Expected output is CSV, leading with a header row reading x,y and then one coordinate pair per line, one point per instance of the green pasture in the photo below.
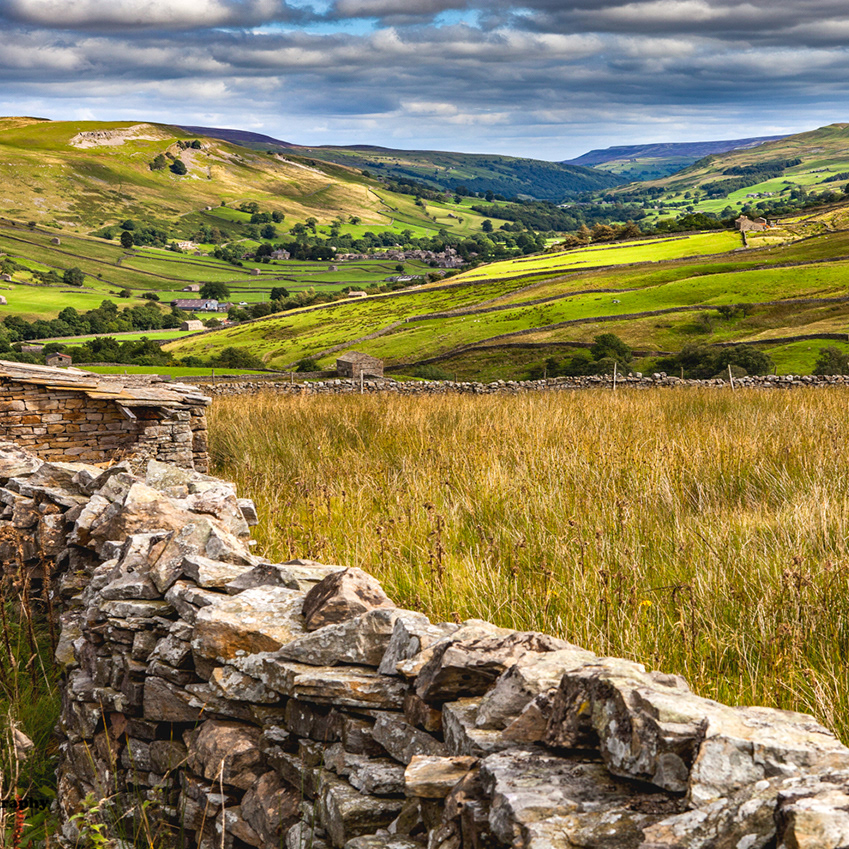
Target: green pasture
x,y
170,371
623,254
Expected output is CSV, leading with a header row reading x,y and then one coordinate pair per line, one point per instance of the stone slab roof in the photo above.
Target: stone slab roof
x,y
97,386
357,357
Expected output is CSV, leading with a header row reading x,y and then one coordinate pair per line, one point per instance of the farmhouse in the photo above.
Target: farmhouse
x,y
192,304
193,324
747,225
356,364
73,415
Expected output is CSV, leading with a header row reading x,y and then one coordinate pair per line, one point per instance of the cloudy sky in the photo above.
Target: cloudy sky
x,y
547,78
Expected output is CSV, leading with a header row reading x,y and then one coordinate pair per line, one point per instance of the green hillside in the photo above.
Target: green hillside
x,y
509,176
82,176
658,296
768,175
655,161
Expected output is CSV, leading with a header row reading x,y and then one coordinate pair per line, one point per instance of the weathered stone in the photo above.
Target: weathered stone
x,y
208,699
219,501
744,745
141,608
135,757
347,813
388,841
361,640
229,824
380,777
742,819
813,812
434,777
270,808
258,620
304,835
248,509
308,720
172,651
210,574
301,575
410,637
165,702
358,736
342,595
226,751
531,724
462,736
526,678
469,668
403,741
15,462
540,800
167,755
188,599
235,685
347,686
419,713
646,725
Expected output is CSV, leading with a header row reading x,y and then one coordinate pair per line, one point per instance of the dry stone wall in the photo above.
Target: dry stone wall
x,y
238,386
242,703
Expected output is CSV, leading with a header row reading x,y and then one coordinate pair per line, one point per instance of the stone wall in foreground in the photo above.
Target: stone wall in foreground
x,y
252,704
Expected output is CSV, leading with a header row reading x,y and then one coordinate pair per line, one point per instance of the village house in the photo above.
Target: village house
x,y
356,364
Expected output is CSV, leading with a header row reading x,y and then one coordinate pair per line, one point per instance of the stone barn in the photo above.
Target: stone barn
x,y
355,364
77,416
58,359
192,324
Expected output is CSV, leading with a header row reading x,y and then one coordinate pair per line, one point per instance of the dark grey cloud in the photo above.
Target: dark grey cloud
x,y
541,78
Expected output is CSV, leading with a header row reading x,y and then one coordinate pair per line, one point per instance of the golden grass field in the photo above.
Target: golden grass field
x,y
699,531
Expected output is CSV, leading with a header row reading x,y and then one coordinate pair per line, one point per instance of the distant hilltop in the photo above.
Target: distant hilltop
x,y
665,150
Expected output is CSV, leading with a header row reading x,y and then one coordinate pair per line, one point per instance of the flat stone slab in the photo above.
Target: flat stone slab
x,y
346,686
258,620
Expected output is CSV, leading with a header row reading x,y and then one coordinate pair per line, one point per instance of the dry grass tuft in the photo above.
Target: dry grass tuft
x,y
702,532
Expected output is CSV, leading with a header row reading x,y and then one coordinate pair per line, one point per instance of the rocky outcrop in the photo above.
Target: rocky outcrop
x,y
243,703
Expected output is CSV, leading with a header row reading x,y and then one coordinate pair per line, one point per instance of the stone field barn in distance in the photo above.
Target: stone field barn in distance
x,y
67,414
355,364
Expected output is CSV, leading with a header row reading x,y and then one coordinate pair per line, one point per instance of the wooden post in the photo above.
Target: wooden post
x,y
730,376
213,377
361,383
291,377
615,364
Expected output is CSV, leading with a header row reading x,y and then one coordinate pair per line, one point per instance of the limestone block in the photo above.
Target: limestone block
x,y
270,808
346,813
342,595
346,686
540,800
361,640
258,620
434,777
463,737
469,668
410,637
403,741
226,751
300,575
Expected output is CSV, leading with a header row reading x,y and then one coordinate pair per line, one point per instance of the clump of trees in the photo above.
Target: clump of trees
x,y
831,360
607,352
703,361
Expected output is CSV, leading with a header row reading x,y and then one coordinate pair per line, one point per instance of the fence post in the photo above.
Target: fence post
x,y
615,364
730,376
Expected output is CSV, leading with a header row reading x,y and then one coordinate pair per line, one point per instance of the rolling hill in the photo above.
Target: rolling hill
x,y
654,161
504,175
770,172
785,294
82,176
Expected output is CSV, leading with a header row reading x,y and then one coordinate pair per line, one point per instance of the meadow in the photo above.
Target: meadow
x,y
702,532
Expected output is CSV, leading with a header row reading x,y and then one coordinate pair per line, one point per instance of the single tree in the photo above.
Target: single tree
x,y
215,290
127,239
179,167
73,277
